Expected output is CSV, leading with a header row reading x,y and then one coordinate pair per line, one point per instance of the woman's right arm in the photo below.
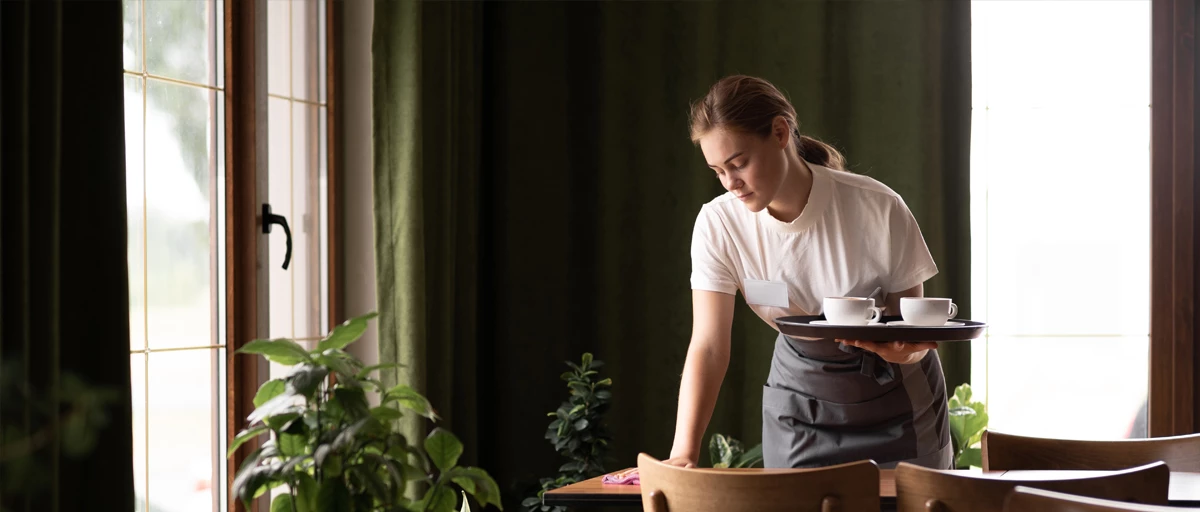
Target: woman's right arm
x,y
703,371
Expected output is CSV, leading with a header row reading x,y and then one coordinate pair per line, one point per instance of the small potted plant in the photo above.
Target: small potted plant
x,y
333,452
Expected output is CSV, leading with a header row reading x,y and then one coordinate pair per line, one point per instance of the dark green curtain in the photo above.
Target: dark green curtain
x,y
573,188
64,307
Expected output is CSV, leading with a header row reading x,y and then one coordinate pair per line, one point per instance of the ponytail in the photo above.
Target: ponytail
x,y
820,153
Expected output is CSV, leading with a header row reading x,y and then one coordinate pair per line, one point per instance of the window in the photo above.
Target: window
x,y
174,97
176,167
1060,208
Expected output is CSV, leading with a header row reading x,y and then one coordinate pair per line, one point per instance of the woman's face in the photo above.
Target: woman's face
x,y
751,167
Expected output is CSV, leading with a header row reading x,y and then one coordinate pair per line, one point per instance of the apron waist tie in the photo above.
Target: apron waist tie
x,y
872,365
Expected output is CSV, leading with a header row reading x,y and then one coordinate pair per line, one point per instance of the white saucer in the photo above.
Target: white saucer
x,y
826,322
903,323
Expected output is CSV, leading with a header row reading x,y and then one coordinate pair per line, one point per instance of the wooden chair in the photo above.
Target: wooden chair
x,y
1028,499
1007,451
920,489
848,487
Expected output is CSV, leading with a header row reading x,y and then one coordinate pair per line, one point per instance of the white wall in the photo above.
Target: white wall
x,y
357,203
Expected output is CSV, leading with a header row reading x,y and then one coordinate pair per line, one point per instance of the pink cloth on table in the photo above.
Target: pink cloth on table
x,y
626,477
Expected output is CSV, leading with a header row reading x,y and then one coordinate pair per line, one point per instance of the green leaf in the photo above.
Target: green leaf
x,y
587,360
486,490
306,493
603,394
282,503
412,400
382,366
307,378
291,445
270,389
439,498
751,458
283,422
278,405
385,413
347,333
443,448
581,424
250,481
604,382
970,457
333,496
282,351
339,365
353,402
244,436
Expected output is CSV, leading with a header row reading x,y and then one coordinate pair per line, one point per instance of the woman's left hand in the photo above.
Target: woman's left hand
x,y
901,352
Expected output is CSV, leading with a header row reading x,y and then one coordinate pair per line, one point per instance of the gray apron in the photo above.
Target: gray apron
x,y
826,403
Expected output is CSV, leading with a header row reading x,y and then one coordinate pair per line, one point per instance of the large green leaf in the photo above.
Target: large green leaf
x,y
283,503
306,493
970,457
385,413
341,366
347,333
751,458
333,496
486,490
270,389
278,405
443,448
291,445
246,435
250,482
439,498
306,378
353,401
282,351
412,400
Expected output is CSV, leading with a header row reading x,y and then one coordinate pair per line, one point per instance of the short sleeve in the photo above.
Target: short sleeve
x,y
711,261
911,263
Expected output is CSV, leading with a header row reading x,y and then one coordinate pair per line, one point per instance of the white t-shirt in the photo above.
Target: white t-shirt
x,y
854,234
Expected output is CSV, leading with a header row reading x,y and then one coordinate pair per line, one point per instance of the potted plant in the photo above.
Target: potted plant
x,y
333,451
968,420
577,432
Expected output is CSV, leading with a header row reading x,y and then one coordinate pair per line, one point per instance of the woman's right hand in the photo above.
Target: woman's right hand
x,y
681,461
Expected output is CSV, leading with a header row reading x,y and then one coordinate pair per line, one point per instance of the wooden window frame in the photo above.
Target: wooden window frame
x,y
245,190
1173,402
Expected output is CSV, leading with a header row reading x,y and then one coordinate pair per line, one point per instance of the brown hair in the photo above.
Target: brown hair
x,y
749,104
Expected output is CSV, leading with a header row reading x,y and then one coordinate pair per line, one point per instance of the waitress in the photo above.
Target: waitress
x,y
794,228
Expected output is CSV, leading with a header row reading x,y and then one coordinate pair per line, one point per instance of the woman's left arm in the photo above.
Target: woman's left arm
x,y
897,351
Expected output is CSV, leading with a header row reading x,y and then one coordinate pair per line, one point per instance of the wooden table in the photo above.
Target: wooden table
x,y
1184,489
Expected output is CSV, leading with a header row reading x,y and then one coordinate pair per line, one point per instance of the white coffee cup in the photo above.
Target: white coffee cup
x,y
851,311
927,310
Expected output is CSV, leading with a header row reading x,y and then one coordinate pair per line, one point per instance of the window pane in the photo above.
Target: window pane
x,y
131,19
135,195
280,196
278,56
323,217
1032,60
1069,198
180,123
305,39
181,40
1078,388
181,431
306,274
137,370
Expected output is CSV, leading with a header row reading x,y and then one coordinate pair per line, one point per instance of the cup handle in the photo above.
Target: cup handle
x,y
876,314
953,310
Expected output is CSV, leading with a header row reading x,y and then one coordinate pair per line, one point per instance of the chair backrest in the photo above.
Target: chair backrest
x,y
1028,499
1007,451
920,489
848,487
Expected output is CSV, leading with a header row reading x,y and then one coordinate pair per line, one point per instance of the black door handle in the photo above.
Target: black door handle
x,y
269,218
